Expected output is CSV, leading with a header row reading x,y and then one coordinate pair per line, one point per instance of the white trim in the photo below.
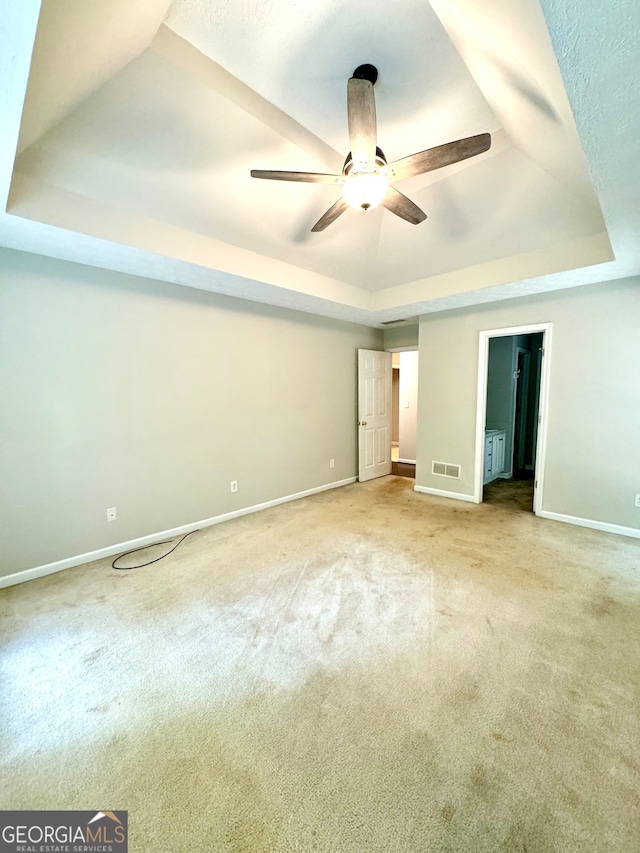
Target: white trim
x,y
440,493
408,461
543,419
516,330
481,416
91,556
412,348
543,405
588,522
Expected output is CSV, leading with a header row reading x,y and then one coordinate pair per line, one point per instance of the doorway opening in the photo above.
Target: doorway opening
x,y
511,427
385,430
404,412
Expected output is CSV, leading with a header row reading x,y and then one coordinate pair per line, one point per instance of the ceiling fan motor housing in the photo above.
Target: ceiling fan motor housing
x,y
366,72
381,162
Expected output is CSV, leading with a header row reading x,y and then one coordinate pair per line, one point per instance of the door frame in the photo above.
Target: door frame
x,y
411,348
522,391
543,405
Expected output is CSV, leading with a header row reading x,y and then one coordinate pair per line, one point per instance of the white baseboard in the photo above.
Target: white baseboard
x,y
110,550
407,461
439,493
588,522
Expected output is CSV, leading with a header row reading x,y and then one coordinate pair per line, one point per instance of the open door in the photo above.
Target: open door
x,y
374,414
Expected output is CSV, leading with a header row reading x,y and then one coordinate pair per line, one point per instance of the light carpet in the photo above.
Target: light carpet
x,y
369,669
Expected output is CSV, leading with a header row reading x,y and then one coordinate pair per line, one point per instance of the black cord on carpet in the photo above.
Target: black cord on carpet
x,y
144,548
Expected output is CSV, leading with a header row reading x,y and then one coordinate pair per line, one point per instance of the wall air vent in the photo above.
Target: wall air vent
x,y
445,469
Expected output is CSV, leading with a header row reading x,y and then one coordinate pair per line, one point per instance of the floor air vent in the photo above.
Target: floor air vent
x,y
444,469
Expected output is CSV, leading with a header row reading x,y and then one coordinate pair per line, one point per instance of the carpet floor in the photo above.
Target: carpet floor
x,y
368,669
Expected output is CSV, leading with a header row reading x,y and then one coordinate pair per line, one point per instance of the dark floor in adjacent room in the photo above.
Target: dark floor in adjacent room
x,y
516,493
403,469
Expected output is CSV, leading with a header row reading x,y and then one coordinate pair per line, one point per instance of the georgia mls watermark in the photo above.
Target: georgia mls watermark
x,y
63,832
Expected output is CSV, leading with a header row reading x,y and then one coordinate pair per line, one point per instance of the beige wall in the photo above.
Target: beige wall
x,y
401,336
408,415
150,397
395,404
592,466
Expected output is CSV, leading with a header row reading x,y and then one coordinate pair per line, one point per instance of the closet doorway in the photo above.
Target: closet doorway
x,y
513,383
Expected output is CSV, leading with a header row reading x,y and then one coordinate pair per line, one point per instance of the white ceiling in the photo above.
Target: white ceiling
x,y
134,141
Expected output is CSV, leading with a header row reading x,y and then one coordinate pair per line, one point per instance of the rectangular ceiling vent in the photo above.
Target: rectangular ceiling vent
x,y
445,469
409,321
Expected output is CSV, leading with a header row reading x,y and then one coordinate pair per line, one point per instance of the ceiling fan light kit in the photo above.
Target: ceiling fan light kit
x,y
366,175
365,189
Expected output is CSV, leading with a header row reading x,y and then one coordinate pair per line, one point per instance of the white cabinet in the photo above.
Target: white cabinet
x,y
494,443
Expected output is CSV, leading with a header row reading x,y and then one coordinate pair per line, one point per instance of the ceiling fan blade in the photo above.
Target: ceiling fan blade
x,y
331,215
304,177
361,113
403,207
436,158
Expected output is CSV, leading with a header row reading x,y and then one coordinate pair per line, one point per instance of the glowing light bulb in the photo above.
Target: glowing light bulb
x,y
365,190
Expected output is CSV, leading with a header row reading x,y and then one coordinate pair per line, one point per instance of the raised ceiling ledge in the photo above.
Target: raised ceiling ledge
x,y
508,55
495,275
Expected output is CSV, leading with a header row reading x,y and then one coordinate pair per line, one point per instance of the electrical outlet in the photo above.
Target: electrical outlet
x,y
332,463
111,514
637,503
234,485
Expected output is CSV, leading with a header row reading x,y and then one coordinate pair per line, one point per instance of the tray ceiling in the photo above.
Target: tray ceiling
x,y
137,122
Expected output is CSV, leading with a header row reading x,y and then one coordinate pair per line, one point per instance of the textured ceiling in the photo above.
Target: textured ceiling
x,y
135,140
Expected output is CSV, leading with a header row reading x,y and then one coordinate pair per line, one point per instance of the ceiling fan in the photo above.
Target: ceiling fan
x,y
366,176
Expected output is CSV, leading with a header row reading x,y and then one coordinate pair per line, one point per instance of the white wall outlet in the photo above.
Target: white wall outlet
x,y
234,485
332,463
637,503
111,514
406,404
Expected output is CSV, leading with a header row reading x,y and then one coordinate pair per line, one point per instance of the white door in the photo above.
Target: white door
x,y
374,414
